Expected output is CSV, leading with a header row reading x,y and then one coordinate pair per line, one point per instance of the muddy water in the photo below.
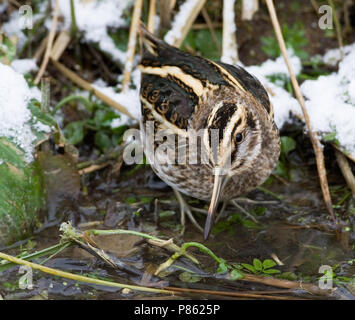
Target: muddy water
x,y
296,232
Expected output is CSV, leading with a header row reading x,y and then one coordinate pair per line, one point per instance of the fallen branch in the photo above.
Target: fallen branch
x,y
317,147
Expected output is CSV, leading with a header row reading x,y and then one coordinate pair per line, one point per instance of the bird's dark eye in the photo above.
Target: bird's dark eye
x,y
239,137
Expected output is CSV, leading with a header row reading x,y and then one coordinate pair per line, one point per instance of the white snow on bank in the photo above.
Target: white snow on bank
x,y
179,22
330,101
129,99
93,18
24,66
333,56
14,116
13,28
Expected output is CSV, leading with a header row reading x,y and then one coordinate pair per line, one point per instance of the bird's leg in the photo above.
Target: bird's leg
x,y
185,209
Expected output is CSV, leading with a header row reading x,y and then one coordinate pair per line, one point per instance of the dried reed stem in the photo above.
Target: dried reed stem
x,y
60,45
346,170
87,86
317,147
137,10
49,44
151,15
180,35
337,28
211,28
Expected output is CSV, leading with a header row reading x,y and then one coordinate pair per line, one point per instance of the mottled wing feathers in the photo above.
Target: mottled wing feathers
x,y
170,100
249,83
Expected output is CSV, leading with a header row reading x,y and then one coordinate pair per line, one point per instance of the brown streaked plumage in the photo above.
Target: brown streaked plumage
x,y
183,94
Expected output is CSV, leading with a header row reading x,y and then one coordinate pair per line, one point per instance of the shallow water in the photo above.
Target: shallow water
x,y
296,231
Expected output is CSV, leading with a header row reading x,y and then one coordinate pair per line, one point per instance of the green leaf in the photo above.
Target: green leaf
x,y
330,137
130,200
222,268
281,170
257,264
74,132
102,140
249,267
205,44
288,276
189,277
271,271
235,275
7,49
287,145
268,263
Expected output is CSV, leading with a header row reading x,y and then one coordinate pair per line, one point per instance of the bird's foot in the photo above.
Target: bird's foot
x,y
185,209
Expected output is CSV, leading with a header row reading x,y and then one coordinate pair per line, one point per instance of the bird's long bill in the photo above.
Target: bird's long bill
x,y
218,186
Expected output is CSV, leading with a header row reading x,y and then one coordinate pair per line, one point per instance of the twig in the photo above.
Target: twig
x,y
256,294
346,170
313,136
80,278
315,6
74,27
88,86
151,15
60,45
211,28
49,44
337,28
229,40
41,48
164,14
178,32
347,4
199,26
280,283
132,43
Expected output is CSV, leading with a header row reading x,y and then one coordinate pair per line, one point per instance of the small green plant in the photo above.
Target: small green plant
x,y
202,42
258,267
288,144
294,37
98,124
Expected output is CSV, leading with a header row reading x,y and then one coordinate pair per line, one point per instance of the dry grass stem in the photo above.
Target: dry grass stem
x,y
346,170
211,28
60,45
87,86
317,147
337,28
49,44
151,15
137,10
188,23
41,48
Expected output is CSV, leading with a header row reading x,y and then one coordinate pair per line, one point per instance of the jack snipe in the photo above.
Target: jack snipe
x,y
182,94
